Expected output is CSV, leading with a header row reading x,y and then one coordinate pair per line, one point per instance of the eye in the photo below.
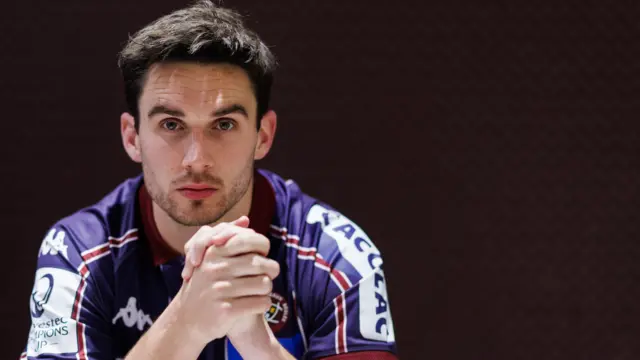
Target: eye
x,y
225,125
170,124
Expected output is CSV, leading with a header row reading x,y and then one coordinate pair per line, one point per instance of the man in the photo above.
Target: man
x,y
203,256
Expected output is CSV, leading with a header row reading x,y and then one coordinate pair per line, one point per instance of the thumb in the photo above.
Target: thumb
x,y
242,221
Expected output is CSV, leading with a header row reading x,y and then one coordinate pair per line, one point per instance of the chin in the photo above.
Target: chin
x,y
200,216
194,219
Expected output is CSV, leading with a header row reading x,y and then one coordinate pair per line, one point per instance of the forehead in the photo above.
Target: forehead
x,y
195,83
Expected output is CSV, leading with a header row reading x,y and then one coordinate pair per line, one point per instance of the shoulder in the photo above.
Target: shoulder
x,y
337,273
315,228
92,232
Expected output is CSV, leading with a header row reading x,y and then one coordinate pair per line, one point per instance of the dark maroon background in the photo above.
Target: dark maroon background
x,y
490,150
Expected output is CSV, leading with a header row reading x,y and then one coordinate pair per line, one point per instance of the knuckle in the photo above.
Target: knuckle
x,y
210,252
265,266
221,286
224,309
222,226
256,260
217,270
261,265
241,242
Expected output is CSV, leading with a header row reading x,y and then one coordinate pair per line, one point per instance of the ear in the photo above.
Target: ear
x,y
130,138
266,134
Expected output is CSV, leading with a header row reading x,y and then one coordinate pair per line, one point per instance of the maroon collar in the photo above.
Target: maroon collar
x,y
263,205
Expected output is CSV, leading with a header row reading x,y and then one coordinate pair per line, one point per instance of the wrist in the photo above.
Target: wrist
x,y
181,326
257,341
167,338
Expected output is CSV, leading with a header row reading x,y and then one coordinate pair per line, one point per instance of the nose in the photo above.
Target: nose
x,y
195,156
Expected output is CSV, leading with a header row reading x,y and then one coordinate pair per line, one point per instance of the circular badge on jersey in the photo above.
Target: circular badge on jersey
x,y
278,313
41,294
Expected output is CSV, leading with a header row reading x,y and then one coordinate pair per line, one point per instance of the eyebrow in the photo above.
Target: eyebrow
x,y
235,108
162,109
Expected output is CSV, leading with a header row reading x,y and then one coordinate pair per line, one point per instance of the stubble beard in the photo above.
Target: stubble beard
x,y
199,212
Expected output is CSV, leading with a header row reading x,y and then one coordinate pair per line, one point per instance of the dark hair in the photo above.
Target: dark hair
x,y
202,32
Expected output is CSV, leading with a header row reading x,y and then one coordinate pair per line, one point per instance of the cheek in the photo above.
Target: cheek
x,y
232,149
159,156
237,155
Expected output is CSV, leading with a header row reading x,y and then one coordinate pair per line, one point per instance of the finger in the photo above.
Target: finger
x,y
242,241
191,249
248,305
242,266
245,286
203,239
201,243
242,221
195,248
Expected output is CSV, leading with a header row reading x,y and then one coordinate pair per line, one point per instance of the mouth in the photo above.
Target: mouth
x,y
197,191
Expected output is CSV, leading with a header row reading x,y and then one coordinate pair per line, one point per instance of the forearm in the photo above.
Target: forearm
x,y
167,339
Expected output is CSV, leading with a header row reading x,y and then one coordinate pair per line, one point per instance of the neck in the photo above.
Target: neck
x,y
176,235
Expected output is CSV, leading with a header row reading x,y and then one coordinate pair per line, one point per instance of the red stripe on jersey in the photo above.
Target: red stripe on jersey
x,y
292,240
339,276
120,240
75,315
83,270
278,231
341,346
86,257
91,254
82,351
307,252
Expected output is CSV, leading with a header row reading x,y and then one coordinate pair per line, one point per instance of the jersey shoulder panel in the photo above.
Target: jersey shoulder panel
x,y
73,294
93,232
337,274
314,228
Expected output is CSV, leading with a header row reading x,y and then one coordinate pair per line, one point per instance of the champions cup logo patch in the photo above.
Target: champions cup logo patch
x,y
278,313
41,294
54,304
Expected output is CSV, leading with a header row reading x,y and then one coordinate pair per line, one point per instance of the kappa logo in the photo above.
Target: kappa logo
x,y
278,313
131,316
54,244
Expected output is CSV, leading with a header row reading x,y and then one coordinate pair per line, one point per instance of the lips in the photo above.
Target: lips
x,y
197,191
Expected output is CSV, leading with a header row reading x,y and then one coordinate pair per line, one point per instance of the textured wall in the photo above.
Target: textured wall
x,y
490,151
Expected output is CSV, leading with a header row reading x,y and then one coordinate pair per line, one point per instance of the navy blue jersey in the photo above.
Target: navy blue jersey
x,y
104,275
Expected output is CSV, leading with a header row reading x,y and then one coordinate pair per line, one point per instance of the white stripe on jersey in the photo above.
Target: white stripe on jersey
x,y
299,321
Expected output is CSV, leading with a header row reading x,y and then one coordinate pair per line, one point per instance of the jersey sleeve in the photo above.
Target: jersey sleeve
x,y
343,293
68,313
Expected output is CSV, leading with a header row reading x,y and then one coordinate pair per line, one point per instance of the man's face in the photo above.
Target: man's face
x,y
197,139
